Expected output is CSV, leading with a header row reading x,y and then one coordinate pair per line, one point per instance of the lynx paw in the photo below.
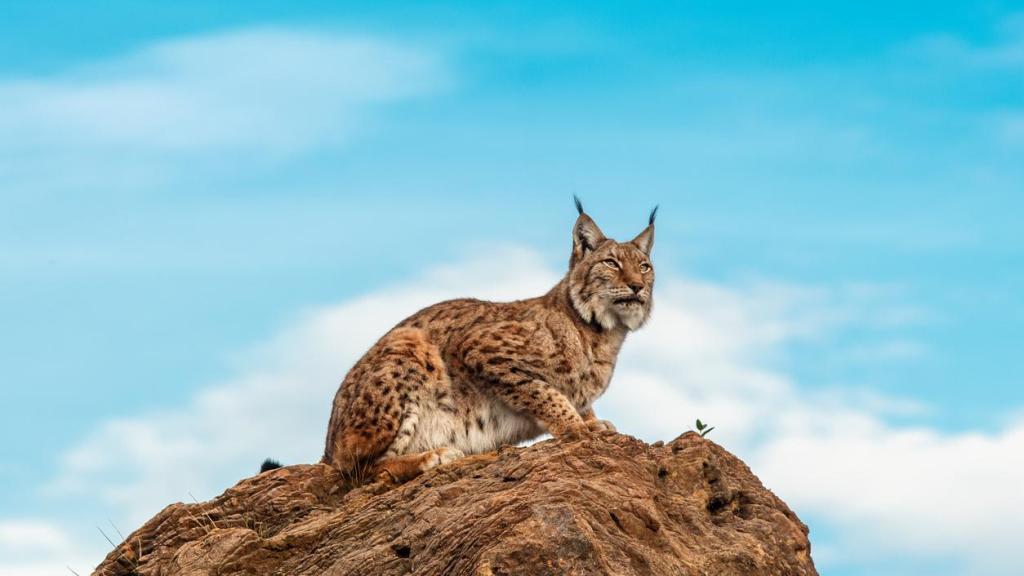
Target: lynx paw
x,y
601,426
442,456
577,432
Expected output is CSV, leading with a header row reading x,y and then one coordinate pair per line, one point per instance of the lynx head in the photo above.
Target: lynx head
x,y
610,282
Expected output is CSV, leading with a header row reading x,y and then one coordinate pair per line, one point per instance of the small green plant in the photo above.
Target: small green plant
x,y
703,429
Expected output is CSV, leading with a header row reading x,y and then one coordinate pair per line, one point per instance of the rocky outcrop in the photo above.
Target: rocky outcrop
x,y
605,505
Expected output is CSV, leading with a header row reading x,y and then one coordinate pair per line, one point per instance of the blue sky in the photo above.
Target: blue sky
x,y
184,185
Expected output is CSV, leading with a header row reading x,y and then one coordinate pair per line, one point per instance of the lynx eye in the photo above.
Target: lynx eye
x,y
645,268
611,264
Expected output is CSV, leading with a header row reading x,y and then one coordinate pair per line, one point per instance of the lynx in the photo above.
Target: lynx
x,y
466,376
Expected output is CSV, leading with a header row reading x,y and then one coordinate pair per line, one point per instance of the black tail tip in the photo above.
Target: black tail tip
x,y
269,464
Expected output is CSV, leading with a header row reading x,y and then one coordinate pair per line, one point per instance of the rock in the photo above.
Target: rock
x,y
604,505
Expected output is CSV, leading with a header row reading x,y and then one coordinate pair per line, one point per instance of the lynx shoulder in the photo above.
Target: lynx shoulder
x,y
466,376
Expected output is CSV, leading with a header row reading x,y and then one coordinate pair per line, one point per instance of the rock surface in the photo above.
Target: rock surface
x,y
605,505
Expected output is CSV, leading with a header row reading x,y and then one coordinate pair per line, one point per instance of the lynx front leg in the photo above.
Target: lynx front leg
x,y
511,360
549,406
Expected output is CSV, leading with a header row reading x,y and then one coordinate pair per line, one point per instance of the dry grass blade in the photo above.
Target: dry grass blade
x,y
112,545
357,476
196,520
205,513
120,555
114,526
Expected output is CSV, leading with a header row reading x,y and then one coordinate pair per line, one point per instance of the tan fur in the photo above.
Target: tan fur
x,y
466,376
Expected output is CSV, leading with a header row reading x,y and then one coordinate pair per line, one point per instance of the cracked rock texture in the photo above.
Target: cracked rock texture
x,y
604,505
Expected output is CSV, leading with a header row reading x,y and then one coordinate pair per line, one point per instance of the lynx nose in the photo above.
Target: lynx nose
x,y
636,287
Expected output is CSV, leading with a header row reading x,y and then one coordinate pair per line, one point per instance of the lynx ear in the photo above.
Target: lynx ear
x,y
585,235
645,240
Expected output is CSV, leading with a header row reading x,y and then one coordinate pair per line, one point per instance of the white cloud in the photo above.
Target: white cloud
x,y
31,547
886,350
709,352
1010,127
29,534
45,567
907,491
245,97
1004,52
277,406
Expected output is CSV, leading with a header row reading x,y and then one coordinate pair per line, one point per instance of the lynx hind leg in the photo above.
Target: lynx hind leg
x,y
365,422
377,409
406,467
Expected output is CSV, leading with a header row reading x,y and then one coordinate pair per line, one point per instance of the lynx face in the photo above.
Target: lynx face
x,y
611,282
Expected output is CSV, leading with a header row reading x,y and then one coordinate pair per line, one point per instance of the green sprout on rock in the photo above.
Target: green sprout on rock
x,y
703,429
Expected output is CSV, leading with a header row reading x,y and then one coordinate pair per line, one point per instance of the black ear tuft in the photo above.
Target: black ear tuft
x,y
269,464
650,221
579,205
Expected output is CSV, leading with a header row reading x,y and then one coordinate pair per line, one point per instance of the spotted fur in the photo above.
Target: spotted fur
x,y
466,376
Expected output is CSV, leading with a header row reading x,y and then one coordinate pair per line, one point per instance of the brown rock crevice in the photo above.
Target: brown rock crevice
x,y
604,505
